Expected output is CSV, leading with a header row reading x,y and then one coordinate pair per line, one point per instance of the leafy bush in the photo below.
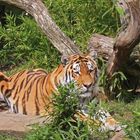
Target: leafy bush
x,y
63,126
66,102
6,137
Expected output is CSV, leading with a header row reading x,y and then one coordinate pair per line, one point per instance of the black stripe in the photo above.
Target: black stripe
x,y
42,92
16,104
16,92
17,77
37,108
21,85
8,93
36,99
66,76
29,90
2,88
24,104
2,77
28,79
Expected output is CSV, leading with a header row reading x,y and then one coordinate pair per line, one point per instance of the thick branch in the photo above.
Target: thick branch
x,y
40,13
103,45
126,39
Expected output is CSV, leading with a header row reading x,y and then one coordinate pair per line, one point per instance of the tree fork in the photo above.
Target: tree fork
x,y
126,39
118,50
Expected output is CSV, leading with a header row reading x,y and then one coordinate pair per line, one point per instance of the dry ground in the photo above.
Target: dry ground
x,y
17,124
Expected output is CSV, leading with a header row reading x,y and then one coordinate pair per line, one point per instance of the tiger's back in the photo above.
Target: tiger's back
x,y
27,92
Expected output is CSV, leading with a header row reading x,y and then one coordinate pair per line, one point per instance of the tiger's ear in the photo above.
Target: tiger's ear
x,y
64,59
93,54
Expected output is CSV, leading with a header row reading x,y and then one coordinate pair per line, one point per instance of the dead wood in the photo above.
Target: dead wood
x,y
128,38
118,49
103,45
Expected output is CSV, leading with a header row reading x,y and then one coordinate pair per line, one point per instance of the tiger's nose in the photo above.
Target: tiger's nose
x,y
87,85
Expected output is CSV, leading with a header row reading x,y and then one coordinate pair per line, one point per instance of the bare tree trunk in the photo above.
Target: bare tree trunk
x,y
126,39
40,13
119,49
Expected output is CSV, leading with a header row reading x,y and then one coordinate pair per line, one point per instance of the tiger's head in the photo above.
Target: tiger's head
x,y
82,70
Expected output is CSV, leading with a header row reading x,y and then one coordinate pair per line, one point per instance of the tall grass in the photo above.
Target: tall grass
x,y
24,43
79,19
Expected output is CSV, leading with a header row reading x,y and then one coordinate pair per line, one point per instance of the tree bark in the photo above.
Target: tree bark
x,y
41,15
118,50
101,44
128,38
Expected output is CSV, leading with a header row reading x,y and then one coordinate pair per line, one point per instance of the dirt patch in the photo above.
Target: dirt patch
x,y
16,124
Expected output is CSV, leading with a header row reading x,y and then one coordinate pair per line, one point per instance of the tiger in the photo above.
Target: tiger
x,y
29,91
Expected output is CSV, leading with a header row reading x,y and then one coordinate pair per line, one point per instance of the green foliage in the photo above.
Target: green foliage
x,y
133,128
63,127
133,125
53,132
24,43
114,85
6,137
79,19
66,102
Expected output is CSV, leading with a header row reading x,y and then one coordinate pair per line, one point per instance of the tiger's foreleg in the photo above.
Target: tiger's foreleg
x,y
102,119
